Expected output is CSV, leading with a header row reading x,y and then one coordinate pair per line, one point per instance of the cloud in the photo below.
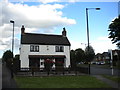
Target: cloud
x,y
40,18
5,43
102,44
75,44
103,38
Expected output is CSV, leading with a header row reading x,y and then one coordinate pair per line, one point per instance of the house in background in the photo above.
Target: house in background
x,y
103,58
36,48
112,56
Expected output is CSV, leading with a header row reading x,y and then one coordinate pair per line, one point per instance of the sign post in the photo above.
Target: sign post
x,y
111,55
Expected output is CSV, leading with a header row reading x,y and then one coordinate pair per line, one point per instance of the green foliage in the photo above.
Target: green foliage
x,y
114,29
72,58
7,55
72,55
77,56
8,58
89,54
17,57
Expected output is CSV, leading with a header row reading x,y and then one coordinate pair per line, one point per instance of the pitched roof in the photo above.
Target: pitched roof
x,y
44,39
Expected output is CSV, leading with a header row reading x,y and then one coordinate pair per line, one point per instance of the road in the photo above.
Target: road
x,y
7,81
98,70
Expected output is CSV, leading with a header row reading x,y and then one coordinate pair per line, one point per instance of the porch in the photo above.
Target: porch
x,y
38,61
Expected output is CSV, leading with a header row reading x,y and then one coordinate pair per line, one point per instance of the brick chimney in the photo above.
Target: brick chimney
x,y
22,30
64,33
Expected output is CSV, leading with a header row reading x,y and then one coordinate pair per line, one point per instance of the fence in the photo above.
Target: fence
x,y
53,71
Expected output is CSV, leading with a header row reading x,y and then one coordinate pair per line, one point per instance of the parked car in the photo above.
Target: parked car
x,y
100,63
93,62
80,63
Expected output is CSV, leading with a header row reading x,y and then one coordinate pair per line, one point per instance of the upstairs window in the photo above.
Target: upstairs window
x,y
59,49
34,48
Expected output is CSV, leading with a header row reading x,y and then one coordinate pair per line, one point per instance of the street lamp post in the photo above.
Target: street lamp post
x,y
111,54
11,21
88,31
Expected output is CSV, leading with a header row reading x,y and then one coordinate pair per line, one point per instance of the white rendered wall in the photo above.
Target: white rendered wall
x,y
67,53
24,52
43,50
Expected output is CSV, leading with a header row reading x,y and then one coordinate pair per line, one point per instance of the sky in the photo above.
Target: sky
x,y
51,16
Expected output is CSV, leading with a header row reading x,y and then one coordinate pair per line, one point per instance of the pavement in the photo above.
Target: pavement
x,y
7,81
107,81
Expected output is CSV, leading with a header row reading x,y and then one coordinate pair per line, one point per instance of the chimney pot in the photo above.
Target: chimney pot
x,y
64,32
22,30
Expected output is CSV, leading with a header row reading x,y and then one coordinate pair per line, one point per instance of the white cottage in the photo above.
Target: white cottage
x,y
35,48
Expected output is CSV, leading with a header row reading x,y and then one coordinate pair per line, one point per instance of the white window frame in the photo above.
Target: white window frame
x,y
34,48
59,48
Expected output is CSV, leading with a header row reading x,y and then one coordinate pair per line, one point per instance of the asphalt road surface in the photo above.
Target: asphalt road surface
x,y
7,81
97,70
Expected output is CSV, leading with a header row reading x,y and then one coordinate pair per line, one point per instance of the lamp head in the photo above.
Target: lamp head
x,y
11,21
97,8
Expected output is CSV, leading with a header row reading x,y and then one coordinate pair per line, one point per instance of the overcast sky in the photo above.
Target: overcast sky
x,y
50,16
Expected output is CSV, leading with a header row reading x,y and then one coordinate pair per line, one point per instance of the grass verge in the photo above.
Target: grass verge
x,y
113,78
60,82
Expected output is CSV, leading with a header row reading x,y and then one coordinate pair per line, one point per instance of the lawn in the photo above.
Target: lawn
x,y
113,78
60,82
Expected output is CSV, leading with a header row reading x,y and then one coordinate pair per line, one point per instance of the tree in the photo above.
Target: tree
x,y
7,57
76,56
89,55
79,55
72,58
114,29
17,57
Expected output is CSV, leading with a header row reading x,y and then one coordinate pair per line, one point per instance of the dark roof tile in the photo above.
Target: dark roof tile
x,y
44,39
